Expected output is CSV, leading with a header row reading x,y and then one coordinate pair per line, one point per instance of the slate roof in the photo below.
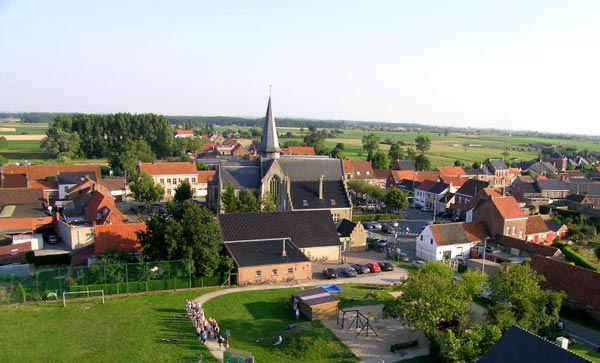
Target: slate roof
x,y
580,284
471,187
458,233
495,165
269,142
404,165
585,188
438,188
551,184
264,252
247,177
305,195
304,168
74,177
306,229
346,227
528,187
18,196
520,346
532,248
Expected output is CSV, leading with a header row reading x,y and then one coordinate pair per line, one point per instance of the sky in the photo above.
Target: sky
x,y
519,65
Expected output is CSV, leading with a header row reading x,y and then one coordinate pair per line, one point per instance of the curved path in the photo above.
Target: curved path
x,y
381,278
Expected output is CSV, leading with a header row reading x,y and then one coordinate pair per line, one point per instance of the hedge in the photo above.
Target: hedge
x,y
576,258
374,217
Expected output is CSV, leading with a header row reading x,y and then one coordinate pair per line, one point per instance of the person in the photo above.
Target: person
x,y
203,336
221,340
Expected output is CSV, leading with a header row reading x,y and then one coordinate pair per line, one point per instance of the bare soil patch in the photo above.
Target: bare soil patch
x,y
22,137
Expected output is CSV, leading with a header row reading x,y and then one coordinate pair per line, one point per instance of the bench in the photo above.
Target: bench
x,y
404,345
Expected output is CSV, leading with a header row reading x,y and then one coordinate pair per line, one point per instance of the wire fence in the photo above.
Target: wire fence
x,y
38,284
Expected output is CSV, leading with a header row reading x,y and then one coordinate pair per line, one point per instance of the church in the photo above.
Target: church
x,y
295,182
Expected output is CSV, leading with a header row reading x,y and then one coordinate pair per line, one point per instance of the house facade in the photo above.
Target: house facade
x,y
449,241
171,174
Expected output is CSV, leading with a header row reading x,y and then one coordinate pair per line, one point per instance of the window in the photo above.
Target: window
x,y
168,180
368,173
514,230
431,241
187,180
258,273
304,203
162,181
168,191
520,234
332,201
193,180
193,191
336,217
421,237
358,173
507,230
290,270
274,272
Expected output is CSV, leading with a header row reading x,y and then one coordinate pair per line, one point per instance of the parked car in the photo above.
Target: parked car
x,y
52,239
394,224
349,271
374,267
330,273
360,268
386,266
418,263
403,257
367,225
389,229
377,225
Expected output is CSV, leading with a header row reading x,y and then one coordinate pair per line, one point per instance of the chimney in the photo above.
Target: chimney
x,y
321,187
283,251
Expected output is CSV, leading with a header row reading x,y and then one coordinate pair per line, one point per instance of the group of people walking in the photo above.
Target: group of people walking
x,y
205,328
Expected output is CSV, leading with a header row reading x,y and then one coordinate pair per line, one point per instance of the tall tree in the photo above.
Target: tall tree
x,y
60,140
396,199
422,163
267,203
396,152
230,200
3,143
339,151
380,160
184,231
248,202
423,143
127,157
370,143
183,192
143,189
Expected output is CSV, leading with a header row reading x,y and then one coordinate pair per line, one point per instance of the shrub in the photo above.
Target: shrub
x,y
576,258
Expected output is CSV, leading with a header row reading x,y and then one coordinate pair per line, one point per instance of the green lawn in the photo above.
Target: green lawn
x,y
585,352
132,329
24,129
125,329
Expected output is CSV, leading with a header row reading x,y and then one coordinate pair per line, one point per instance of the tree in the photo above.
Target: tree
x,y
61,142
520,300
230,200
3,143
396,199
144,190
125,159
248,202
469,344
396,152
338,151
370,143
380,160
597,252
422,163
183,192
422,143
428,297
267,203
184,232
474,282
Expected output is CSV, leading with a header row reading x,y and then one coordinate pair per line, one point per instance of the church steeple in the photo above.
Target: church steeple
x,y
269,142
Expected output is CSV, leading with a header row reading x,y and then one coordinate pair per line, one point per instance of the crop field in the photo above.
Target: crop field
x,y
23,129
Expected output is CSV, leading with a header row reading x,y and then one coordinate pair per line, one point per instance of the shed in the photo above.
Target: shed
x,y
317,303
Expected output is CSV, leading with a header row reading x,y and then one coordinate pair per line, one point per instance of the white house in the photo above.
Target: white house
x,y
447,241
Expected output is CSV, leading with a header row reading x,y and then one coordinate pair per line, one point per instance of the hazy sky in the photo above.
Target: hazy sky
x,y
521,64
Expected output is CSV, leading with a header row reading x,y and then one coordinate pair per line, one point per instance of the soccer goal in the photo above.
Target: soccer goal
x,y
87,294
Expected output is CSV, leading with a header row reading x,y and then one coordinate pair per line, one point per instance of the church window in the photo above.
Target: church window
x,y
274,188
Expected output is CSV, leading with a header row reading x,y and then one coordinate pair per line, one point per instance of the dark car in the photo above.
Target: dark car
x,y
386,266
330,273
388,229
349,271
360,268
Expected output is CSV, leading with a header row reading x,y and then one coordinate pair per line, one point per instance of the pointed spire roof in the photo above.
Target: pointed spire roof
x,y
269,142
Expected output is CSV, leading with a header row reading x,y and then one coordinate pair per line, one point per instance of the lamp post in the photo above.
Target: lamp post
x,y
484,248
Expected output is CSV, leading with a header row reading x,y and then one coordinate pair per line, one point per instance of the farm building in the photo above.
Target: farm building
x,y
317,303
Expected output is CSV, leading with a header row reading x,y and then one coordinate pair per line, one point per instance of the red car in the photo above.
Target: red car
x,y
374,267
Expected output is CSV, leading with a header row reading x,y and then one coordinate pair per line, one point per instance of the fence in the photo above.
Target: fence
x,y
113,278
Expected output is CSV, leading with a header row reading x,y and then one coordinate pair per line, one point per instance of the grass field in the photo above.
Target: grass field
x,y
23,129
132,329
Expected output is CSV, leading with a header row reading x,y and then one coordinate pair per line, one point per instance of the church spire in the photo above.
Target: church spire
x,y
269,142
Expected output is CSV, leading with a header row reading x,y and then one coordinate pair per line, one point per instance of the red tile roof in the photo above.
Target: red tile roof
x,y
403,175
426,185
8,224
459,233
362,170
42,184
168,168
581,285
421,176
204,176
454,180
533,248
536,224
117,237
447,171
37,172
301,150
112,183
13,181
348,169
97,203
508,207
15,252
185,132
206,147
20,196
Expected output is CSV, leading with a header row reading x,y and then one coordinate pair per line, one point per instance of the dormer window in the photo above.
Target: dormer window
x,y
368,173
332,201
358,173
304,203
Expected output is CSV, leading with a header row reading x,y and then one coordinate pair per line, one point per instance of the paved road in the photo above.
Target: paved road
x,y
583,335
